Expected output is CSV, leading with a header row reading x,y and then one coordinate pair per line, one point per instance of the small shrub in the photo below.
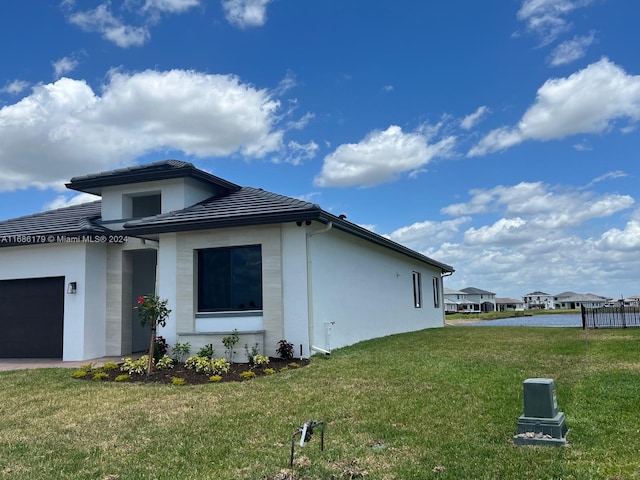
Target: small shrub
x,y
293,365
122,378
79,374
178,381
164,363
284,369
98,376
220,365
181,351
199,364
107,367
87,367
255,350
229,343
269,371
260,360
285,349
206,351
248,374
135,367
215,378
161,348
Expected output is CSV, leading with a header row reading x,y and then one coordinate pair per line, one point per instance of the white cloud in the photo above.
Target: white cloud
x,y
571,50
50,135
422,234
505,231
63,66
589,101
472,119
298,153
62,201
380,157
246,13
170,6
547,18
114,29
621,240
15,87
101,20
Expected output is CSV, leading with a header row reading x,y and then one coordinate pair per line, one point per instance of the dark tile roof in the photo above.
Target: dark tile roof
x,y
247,206
37,228
476,291
162,170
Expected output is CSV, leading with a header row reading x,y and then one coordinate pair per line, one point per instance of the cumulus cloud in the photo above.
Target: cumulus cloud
x,y
571,50
420,235
63,66
60,128
114,28
246,13
472,119
541,205
62,201
380,157
627,239
15,87
547,18
588,101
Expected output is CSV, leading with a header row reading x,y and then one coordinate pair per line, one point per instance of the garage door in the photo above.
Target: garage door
x,y
31,317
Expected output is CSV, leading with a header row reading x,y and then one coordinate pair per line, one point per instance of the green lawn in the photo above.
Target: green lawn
x,y
440,403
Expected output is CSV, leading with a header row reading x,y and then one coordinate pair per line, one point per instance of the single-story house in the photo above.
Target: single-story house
x,y
509,304
224,256
572,300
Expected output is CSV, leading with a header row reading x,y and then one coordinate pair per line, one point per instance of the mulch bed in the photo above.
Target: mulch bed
x,y
192,377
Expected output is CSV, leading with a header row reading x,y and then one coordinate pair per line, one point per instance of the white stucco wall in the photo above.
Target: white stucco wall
x,y
367,290
84,311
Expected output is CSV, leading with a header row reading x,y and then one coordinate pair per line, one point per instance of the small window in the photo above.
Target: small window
x,y
436,292
417,290
146,206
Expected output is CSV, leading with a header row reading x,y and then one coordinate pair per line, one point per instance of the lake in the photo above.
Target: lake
x,y
558,320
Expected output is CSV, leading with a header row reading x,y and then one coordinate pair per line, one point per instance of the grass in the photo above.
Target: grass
x,y
508,314
440,403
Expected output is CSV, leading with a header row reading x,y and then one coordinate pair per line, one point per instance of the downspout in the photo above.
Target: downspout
x,y
312,347
444,307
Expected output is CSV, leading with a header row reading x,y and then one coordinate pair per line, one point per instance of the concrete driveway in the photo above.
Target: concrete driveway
x,y
26,363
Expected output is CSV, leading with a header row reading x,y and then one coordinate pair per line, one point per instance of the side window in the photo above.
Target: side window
x,y
417,290
436,292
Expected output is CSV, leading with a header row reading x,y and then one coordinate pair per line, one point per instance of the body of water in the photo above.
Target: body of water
x,y
558,320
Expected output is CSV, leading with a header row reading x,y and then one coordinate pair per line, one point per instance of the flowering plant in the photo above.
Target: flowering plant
x,y
152,312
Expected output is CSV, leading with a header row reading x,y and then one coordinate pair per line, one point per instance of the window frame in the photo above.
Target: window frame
x,y
417,289
231,276
436,292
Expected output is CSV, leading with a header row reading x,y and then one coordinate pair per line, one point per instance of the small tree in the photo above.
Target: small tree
x,y
152,312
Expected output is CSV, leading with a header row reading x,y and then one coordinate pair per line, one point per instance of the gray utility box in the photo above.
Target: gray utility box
x,y
542,423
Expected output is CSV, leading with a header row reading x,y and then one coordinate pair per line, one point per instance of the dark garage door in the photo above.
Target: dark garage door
x,y
31,317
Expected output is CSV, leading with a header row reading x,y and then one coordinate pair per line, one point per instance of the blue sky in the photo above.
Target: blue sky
x,y
499,137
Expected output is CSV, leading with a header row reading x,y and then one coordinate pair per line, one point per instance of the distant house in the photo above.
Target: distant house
x,y
455,301
224,256
538,301
572,300
509,305
482,300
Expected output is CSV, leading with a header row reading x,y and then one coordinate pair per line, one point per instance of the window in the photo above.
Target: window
x,y
436,292
230,279
417,290
145,206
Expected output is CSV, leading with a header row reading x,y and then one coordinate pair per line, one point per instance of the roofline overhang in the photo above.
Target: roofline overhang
x,y
315,214
94,185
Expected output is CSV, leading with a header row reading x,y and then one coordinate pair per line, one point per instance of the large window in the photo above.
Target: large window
x,y
230,279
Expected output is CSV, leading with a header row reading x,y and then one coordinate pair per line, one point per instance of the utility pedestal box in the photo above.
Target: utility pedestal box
x,y
542,423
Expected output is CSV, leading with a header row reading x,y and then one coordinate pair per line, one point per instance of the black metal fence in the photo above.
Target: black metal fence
x,y
611,317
